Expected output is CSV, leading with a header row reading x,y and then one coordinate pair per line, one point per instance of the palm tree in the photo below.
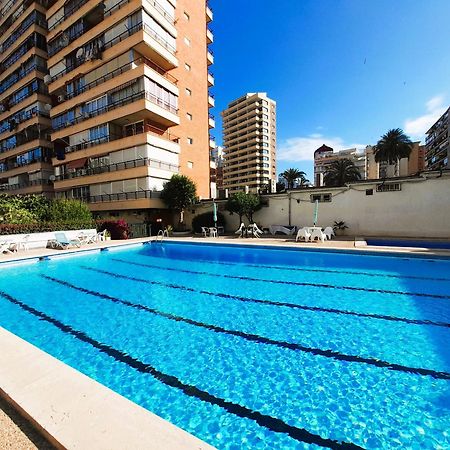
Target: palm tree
x,y
293,175
393,146
340,172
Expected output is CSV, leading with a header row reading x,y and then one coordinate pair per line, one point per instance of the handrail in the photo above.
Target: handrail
x,y
114,137
122,196
107,168
114,41
119,71
117,104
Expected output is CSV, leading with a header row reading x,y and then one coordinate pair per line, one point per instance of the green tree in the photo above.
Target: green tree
x,y
294,175
244,205
178,193
69,210
393,146
340,172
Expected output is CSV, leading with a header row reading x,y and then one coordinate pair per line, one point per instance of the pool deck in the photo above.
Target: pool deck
x,y
46,404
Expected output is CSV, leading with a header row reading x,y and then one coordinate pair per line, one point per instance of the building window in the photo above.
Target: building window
x,y
190,164
320,198
188,92
388,187
190,141
187,67
189,116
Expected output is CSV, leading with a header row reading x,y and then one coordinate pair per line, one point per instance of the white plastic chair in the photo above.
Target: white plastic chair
x,y
6,247
303,233
24,243
213,232
101,236
318,234
329,233
205,231
240,230
254,230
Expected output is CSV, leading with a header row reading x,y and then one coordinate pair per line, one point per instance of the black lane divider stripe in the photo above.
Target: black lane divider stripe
x,y
269,422
261,339
291,283
270,302
300,269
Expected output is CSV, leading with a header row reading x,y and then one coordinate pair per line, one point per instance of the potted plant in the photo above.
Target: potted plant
x,y
339,227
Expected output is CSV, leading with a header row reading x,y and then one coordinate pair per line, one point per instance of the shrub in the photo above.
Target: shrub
x,y
118,229
27,228
207,220
65,210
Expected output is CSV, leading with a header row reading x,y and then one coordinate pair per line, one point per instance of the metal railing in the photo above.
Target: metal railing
x,y
114,137
119,71
13,187
108,168
34,19
123,196
117,104
23,118
138,27
7,84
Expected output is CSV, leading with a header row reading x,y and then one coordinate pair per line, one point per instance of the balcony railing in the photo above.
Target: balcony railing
x,y
14,122
7,84
17,164
108,168
122,196
14,187
119,71
114,137
114,41
117,104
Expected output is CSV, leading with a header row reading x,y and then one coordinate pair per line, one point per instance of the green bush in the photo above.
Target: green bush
x,y
207,220
64,210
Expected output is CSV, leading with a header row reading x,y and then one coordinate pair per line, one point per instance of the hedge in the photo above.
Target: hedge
x,y
6,228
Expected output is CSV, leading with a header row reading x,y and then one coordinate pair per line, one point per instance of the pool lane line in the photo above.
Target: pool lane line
x,y
264,420
300,269
262,339
269,302
290,283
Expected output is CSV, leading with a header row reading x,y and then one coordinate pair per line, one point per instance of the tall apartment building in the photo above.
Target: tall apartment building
x,y
407,166
437,144
325,155
249,138
25,147
122,85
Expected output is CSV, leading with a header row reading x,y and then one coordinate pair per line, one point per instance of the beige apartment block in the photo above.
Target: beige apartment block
x,y
438,143
325,155
406,166
249,139
129,84
25,147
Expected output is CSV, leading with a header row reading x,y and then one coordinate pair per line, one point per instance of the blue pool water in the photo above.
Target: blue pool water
x,y
408,243
250,347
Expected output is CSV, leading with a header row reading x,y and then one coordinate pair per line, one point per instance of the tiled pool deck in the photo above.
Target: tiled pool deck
x,y
73,411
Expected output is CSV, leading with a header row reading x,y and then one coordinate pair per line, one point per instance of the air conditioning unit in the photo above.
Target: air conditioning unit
x,y
47,79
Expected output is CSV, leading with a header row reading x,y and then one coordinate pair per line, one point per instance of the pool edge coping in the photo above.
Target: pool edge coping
x,y
72,410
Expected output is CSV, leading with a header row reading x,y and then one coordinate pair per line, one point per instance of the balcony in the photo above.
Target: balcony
x,y
210,57
211,121
209,36
144,104
28,187
210,79
211,101
209,14
125,200
212,142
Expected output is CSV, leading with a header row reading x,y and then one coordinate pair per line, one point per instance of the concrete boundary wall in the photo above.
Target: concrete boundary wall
x,y
421,209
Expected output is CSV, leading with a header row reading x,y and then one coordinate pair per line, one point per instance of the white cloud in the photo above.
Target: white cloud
x,y
418,126
302,148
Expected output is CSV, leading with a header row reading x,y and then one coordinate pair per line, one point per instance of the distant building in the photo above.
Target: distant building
x,y
407,166
216,172
437,144
324,156
249,136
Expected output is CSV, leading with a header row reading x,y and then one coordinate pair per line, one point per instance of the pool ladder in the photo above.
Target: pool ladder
x,y
161,235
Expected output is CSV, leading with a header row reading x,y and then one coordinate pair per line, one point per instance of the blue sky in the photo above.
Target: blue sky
x,y
342,71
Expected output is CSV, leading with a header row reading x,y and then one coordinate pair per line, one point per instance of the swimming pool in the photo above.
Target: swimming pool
x,y
445,245
252,347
